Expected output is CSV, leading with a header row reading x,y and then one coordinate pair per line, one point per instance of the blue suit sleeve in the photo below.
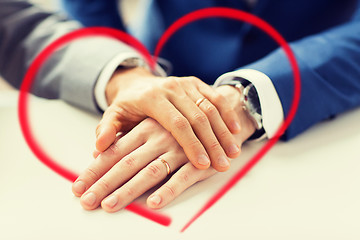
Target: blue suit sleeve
x,y
96,13
330,75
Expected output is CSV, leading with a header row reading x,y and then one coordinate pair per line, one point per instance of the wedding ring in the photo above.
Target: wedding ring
x,y
199,101
168,170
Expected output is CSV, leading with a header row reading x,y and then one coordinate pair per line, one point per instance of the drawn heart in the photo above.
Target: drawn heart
x,y
124,37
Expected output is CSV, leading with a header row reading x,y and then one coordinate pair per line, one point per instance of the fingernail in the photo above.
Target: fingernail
x,y
155,199
223,162
234,149
203,160
89,199
236,126
79,187
111,201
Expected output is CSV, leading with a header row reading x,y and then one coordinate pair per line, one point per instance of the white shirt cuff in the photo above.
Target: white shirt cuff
x,y
271,108
108,71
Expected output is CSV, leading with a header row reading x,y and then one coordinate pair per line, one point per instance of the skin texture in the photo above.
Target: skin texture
x,y
205,132
131,165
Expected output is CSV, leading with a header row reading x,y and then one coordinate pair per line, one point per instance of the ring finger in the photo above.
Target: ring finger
x,y
202,128
221,131
150,176
224,136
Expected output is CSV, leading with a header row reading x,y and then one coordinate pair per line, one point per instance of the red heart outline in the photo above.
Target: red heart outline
x,y
124,37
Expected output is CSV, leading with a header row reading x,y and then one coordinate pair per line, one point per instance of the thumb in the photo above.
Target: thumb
x,y
106,131
96,153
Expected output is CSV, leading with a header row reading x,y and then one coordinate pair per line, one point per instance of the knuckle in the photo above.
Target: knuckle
x,y
170,190
129,162
214,145
172,83
194,143
224,134
180,80
193,79
153,171
183,177
92,174
200,118
218,98
185,81
180,123
120,112
112,150
150,94
171,79
229,112
129,191
210,110
188,81
166,139
104,184
148,127
112,113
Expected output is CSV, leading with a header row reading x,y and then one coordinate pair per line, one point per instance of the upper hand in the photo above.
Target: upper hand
x,y
202,131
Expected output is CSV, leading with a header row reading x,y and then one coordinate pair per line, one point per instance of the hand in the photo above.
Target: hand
x,y
130,166
202,131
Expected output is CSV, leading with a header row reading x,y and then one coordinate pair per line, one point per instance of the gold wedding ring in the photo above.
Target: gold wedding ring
x,y
199,101
168,170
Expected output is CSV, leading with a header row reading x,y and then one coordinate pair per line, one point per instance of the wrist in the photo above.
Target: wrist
x,y
234,97
122,79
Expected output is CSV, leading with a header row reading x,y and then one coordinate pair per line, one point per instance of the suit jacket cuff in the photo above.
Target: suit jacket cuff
x,y
83,62
271,108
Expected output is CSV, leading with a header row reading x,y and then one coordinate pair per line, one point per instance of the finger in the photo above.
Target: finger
x,y
96,152
119,174
185,177
173,121
107,129
150,176
228,114
224,136
202,128
123,145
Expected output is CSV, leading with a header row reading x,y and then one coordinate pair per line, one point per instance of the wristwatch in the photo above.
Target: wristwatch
x,y
132,62
161,68
250,103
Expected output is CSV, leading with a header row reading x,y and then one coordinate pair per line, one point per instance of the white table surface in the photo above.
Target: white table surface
x,y
308,188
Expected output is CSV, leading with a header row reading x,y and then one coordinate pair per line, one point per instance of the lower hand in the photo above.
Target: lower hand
x,y
132,165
